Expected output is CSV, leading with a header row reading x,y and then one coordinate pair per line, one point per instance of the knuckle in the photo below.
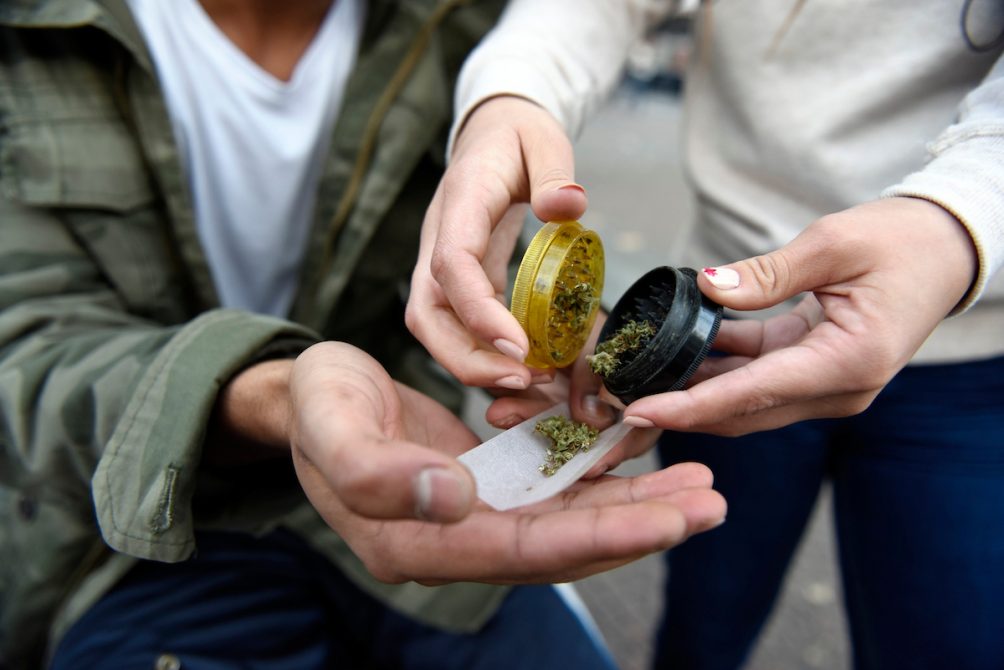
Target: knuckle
x,y
772,271
439,262
872,378
412,319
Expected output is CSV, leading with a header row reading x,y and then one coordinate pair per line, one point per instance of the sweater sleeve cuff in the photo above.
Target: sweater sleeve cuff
x,y
145,479
966,180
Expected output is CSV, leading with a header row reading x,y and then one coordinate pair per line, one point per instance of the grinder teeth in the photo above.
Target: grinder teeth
x,y
655,306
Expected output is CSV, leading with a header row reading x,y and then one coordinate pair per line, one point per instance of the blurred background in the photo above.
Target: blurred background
x,y
629,161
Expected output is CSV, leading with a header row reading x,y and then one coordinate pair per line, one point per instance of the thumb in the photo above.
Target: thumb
x,y
388,479
550,166
807,263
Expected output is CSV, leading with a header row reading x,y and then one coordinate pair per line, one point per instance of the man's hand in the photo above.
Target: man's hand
x,y
509,152
881,277
377,460
384,450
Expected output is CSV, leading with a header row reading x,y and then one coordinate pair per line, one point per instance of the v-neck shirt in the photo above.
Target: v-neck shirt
x,y
253,145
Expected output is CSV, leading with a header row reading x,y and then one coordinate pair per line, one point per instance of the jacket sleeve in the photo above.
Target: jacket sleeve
x,y
965,175
93,395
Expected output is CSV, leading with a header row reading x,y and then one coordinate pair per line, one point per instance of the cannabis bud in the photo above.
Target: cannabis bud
x,y
610,352
567,439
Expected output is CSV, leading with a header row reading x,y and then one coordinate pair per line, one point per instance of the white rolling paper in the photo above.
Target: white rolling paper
x,y
505,467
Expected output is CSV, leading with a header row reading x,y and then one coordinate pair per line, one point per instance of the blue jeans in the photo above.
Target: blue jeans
x,y
275,604
918,484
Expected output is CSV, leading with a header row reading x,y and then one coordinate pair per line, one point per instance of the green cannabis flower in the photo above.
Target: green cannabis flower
x,y
629,337
567,439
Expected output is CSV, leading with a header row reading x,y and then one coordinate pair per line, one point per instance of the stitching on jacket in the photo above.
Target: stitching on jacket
x,y
196,329
163,518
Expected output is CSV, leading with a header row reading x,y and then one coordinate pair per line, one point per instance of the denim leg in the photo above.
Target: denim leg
x,y
272,603
533,630
241,602
722,584
919,498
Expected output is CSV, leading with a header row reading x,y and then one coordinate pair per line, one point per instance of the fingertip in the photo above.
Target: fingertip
x,y
512,382
722,278
703,508
597,470
443,495
610,399
568,201
542,375
510,349
639,422
596,412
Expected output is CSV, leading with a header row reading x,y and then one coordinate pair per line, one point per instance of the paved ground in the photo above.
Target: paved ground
x,y
629,162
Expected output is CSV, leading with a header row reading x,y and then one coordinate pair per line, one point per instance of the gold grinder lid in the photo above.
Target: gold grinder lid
x,y
557,292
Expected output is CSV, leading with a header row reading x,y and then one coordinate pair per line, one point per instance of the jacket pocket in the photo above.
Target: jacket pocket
x,y
81,162
87,172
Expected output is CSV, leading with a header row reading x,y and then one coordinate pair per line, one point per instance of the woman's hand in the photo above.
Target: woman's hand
x,y
509,152
880,277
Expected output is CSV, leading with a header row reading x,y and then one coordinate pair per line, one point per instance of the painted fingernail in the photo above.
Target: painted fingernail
x,y
597,409
514,382
506,422
572,187
510,349
722,278
441,495
638,422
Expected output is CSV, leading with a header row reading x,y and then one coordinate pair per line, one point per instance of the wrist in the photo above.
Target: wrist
x,y
253,411
956,249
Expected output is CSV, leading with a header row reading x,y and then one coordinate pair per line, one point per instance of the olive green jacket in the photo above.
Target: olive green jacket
x,y
113,345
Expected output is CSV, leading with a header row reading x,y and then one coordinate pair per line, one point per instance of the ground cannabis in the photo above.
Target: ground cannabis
x,y
567,439
628,337
573,301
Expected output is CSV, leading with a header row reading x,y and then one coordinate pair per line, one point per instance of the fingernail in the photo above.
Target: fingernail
x,y
541,379
513,382
638,422
507,422
510,349
722,278
597,409
572,187
441,495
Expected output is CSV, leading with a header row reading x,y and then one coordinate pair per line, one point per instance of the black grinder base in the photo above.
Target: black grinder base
x,y
686,322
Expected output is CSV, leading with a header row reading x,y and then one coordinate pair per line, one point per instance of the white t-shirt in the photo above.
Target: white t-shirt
x,y
253,145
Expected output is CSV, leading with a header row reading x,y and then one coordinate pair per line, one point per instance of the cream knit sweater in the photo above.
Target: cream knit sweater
x,y
796,109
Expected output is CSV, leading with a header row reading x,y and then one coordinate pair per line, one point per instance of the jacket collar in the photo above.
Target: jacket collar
x,y
111,16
